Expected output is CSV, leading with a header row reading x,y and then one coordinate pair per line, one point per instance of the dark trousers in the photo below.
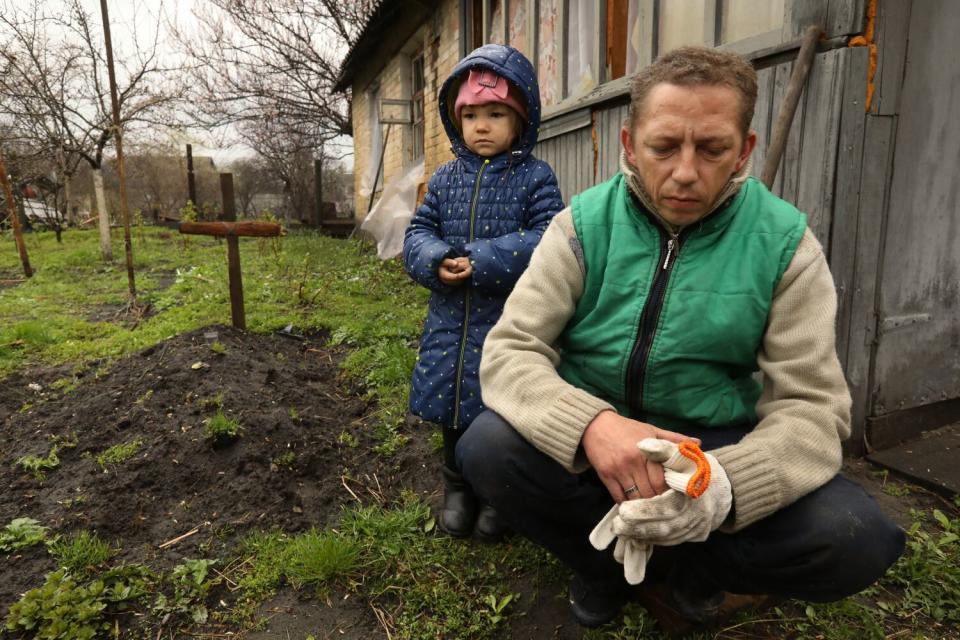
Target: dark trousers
x,y
827,545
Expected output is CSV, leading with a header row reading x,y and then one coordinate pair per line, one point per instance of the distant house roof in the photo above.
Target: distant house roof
x,y
389,28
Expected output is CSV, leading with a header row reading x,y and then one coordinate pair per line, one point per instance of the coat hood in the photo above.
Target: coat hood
x,y
512,65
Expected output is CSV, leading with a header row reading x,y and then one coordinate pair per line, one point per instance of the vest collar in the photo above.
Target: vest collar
x,y
726,197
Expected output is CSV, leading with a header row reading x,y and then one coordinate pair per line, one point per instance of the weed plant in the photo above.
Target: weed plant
x,y
219,429
190,588
82,552
38,465
21,533
314,557
67,607
119,453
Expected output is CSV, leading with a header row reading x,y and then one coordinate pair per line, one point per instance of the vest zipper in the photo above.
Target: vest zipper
x,y
649,318
466,303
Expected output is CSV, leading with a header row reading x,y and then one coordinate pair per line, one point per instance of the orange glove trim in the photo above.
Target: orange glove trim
x,y
700,480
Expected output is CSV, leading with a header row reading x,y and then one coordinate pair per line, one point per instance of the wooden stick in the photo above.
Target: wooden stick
x,y
174,541
781,130
224,229
14,219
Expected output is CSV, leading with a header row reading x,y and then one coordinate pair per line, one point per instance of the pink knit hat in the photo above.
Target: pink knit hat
x,y
483,86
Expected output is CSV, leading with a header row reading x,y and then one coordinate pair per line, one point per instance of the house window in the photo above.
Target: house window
x,y
681,23
745,18
416,107
579,44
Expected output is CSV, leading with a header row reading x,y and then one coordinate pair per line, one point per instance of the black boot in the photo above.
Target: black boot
x,y
459,505
490,528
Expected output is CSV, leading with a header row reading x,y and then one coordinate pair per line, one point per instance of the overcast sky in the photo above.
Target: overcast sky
x,y
131,19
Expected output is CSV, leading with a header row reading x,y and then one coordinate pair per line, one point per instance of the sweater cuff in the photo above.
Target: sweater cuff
x,y
566,420
755,483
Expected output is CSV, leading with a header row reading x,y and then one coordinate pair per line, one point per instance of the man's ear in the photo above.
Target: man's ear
x,y
626,140
748,144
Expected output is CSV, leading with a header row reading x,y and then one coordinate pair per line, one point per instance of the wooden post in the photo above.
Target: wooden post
x,y
232,232
318,189
191,180
781,129
229,214
14,219
115,103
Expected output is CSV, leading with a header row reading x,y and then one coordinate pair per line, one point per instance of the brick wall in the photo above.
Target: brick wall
x,y
440,39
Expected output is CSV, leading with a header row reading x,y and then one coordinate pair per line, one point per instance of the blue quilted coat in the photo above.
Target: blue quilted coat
x,y
493,210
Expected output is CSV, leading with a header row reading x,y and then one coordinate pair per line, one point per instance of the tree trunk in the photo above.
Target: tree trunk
x,y
106,251
67,202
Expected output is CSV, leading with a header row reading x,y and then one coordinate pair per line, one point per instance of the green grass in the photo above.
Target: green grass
x,y
425,584
304,279
119,453
219,428
82,552
393,557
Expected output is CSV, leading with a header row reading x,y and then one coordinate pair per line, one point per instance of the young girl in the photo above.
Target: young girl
x,y
470,240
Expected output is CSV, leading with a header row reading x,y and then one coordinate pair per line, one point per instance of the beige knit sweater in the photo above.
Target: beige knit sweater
x,y
804,411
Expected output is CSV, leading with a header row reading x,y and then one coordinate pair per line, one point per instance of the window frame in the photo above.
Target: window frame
x,y
607,88
417,115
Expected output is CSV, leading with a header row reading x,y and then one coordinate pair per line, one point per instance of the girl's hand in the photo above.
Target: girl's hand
x,y
453,271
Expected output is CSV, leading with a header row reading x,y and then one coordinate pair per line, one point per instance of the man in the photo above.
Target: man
x,y
646,309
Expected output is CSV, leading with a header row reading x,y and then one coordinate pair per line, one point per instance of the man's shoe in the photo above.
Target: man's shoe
x,y
679,613
459,511
595,604
490,528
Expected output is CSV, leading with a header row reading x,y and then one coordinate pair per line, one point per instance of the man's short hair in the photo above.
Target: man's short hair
x,y
689,66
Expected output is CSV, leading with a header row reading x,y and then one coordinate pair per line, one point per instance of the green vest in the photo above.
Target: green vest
x,y
673,340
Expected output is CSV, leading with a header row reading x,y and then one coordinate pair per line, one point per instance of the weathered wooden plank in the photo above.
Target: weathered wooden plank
x,y
919,363
800,14
845,17
891,32
761,117
846,204
785,185
609,123
877,148
818,157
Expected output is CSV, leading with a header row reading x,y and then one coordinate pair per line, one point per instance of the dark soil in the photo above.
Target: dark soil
x,y
290,398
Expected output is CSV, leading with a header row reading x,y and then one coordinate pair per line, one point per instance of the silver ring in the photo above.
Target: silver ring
x,y
630,489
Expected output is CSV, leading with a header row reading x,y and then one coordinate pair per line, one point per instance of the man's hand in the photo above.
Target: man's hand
x,y
454,271
610,442
676,516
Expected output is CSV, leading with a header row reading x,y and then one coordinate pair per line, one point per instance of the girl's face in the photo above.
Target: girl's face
x,y
489,129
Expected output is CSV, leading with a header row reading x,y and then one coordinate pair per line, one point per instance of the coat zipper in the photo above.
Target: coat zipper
x,y
649,318
466,303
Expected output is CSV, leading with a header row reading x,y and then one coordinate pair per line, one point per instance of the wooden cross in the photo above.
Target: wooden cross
x,y
232,232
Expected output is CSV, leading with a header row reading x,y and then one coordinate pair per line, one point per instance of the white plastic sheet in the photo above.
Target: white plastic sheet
x,y
389,217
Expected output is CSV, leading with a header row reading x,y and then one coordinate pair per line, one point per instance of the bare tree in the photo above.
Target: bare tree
x,y
54,86
276,62
254,177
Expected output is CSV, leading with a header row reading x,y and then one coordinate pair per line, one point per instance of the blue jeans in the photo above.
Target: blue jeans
x,y
827,545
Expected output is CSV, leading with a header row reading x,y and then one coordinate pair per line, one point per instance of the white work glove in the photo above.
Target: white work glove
x,y
632,554
668,519
675,517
